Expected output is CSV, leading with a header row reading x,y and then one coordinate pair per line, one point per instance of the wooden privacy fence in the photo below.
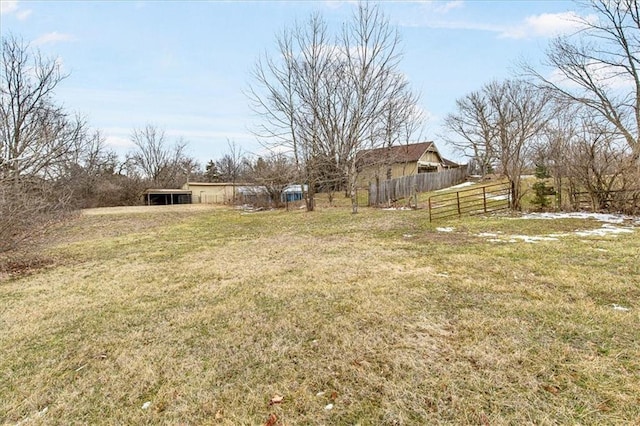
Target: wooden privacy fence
x,y
477,200
391,190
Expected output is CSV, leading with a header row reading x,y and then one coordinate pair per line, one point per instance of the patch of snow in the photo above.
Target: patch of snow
x,y
498,197
146,405
328,407
446,229
620,308
443,274
321,393
605,230
462,185
601,217
487,234
408,236
515,238
529,239
600,232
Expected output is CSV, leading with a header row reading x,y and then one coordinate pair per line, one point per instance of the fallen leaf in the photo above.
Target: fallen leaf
x,y
277,399
272,420
484,419
334,395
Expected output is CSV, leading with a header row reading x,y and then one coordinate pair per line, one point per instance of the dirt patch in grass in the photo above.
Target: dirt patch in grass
x,y
18,265
145,210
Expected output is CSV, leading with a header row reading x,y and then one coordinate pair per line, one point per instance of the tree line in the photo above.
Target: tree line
x,y
327,96
52,162
579,121
324,97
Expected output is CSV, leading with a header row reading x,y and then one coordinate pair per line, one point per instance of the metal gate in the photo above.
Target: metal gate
x,y
476,200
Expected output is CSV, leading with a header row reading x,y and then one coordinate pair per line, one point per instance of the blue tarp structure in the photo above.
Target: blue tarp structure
x,y
294,193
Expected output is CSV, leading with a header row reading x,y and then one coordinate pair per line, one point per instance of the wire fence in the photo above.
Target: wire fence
x,y
624,201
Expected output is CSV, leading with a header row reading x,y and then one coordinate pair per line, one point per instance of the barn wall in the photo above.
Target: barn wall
x,y
368,174
211,194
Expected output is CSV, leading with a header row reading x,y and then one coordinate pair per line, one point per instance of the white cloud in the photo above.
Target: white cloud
x,y
333,4
54,37
547,25
209,134
8,6
456,25
450,5
23,14
264,151
118,142
605,75
543,25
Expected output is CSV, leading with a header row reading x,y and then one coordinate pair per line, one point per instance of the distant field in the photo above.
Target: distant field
x,y
201,315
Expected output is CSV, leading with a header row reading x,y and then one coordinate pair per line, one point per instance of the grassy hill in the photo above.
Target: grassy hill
x,y
214,316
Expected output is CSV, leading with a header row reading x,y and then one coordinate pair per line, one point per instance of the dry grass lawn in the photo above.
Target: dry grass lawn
x,y
215,316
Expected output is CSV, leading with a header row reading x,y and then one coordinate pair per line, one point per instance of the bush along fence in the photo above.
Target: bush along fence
x,y
476,200
623,201
392,190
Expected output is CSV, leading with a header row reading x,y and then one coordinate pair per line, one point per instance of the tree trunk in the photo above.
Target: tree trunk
x,y
310,197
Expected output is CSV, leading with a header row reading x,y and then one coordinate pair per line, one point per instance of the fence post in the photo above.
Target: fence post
x,y
484,199
429,209
458,199
512,196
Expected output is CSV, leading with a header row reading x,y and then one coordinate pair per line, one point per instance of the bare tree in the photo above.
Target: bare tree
x,y
326,99
598,161
163,164
37,136
471,123
38,141
554,152
587,152
89,173
287,95
273,172
381,101
230,166
598,67
503,121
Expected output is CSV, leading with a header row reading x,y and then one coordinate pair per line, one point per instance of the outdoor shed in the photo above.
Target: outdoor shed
x,y
294,193
163,197
212,192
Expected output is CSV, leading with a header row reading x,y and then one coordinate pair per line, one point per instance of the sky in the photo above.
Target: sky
x,y
185,66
